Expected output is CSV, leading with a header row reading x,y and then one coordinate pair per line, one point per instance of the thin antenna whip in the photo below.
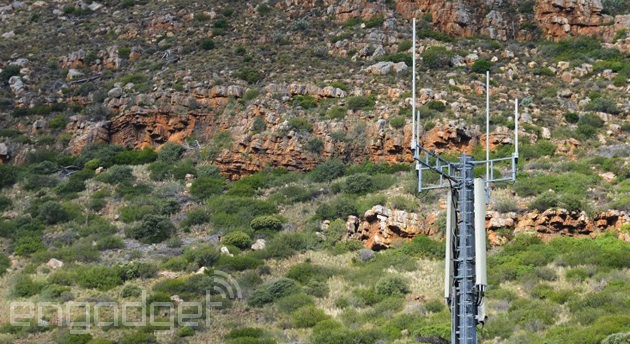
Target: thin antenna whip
x,y
516,128
487,128
413,88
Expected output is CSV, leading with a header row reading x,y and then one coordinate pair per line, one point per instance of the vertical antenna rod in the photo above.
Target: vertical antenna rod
x,y
413,88
487,128
516,128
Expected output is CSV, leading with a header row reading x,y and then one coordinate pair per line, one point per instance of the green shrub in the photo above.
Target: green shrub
x,y
354,21
97,277
578,50
109,243
61,277
360,183
481,66
423,247
237,238
337,112
436,57
617,338
300,124
153,229
523,311
307,272
54,292
332,332
435,306
572,202
291,303
8,175
603,105
577,274
245,332
205,187
238,263
252,76
170,152
360,103
35,182
135,270
374,22
136,157
285,244
328,170
139,336
305,101
339,207
130,290
271,291
566,183
197,216
437,35
24,286
262,223
52,213
571,117
308,316
436,105
404,46
160,170
335,231
5,203
314,145
544,71
207,44
131,190
399,57
8,72
397,122
28,244
5,263
202,255
391,286
117,174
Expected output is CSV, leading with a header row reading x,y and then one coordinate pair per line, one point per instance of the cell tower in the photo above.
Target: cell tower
x,y
465,262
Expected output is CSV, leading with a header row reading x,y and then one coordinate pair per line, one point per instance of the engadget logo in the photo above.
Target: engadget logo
x,y
80,317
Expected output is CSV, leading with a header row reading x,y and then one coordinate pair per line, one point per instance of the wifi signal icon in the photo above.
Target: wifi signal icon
x,y
226,285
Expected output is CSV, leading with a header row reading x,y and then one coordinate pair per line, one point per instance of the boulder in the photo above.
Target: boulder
x,y
54,263
387,67
259,245
225,251
382,227
73,74
16,84
115,92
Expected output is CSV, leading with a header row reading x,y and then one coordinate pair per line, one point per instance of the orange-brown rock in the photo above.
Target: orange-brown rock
x,y
380,227
86,132
553,222
499,20
570,18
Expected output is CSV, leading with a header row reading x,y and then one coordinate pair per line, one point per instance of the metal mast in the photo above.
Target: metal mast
x,y
465,262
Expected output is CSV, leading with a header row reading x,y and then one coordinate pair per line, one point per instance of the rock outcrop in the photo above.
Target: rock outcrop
x,y
497,19
570,18
381,227
554,222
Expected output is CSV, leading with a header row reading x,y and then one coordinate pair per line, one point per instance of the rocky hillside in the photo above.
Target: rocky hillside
x,y
147,146
292,83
